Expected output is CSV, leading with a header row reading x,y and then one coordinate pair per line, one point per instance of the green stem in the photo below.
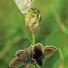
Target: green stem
x,y
34,66
33,42
61,57
33,38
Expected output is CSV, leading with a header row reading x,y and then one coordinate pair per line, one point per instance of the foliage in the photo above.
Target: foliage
x,y
53,31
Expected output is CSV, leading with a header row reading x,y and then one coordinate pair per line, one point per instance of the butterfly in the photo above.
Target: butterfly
x,y
23,5
32,55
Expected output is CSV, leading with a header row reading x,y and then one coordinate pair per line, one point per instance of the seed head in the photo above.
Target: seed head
x,y
32,19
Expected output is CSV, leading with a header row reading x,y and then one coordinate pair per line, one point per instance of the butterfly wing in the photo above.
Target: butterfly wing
x,y
23,5
49,51
21,54
16,62
19,59
25,54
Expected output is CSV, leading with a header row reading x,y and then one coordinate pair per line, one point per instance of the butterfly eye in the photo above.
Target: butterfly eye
x,y
49,51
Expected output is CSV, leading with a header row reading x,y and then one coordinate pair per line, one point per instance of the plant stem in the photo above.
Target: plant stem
x,y
61,57
34,66
33,38
33,42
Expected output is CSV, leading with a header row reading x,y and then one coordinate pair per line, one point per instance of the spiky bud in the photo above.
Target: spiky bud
x,y
32,19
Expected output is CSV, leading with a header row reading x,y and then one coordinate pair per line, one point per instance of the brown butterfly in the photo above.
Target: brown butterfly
x,y
32,55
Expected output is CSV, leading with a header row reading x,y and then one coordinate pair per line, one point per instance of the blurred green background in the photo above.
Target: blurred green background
x,y
53,31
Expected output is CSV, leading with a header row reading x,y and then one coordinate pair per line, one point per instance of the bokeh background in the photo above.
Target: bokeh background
x,y
53,31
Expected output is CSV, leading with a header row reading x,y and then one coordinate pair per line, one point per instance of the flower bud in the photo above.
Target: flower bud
x,y
32,19
23,5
